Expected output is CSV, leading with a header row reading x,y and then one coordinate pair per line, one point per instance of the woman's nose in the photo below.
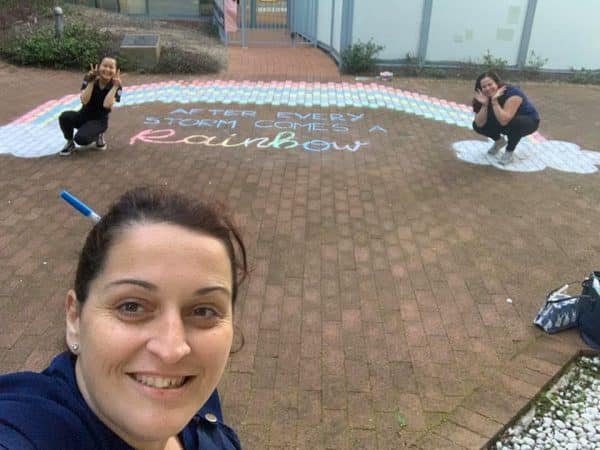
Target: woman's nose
x,y
169,342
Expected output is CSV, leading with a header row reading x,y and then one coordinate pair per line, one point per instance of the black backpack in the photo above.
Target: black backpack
x,y
589,311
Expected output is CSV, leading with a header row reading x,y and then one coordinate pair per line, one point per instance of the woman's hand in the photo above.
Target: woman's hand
x,y
499,93
116,79
480,97
109,100
92,75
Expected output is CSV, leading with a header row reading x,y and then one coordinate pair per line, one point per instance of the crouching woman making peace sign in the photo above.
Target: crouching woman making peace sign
x,y
149,327
101,88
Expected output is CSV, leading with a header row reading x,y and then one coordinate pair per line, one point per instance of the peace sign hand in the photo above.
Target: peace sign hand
x,y
92,74
116,79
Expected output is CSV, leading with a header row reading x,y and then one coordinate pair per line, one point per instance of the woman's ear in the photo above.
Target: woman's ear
x,y
72,314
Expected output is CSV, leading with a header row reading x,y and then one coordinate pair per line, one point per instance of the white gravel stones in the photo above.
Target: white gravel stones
x,y
565,417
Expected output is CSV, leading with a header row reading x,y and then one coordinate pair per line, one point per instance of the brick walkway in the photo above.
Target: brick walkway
x,y
281,63
380,275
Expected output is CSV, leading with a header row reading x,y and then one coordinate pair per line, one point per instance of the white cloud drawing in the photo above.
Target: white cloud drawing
x,y
532,157
30,140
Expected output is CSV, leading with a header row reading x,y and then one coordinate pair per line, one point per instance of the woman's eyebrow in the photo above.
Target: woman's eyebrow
x,y
141,283
152,287
209,289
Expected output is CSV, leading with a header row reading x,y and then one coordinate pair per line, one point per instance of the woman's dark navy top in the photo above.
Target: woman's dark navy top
x,y
46,411
526,108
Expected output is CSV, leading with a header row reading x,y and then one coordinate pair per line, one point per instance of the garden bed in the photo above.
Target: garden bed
x,y
566,415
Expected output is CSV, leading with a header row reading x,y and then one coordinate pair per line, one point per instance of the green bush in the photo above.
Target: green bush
x,y
80,46
434,72
176,60
412,65
212,30
535,62
492,63
360,57
584,76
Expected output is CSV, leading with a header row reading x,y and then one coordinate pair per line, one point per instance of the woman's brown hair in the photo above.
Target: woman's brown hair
x,y
158,205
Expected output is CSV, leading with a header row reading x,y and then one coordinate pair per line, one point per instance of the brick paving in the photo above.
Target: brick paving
x,y
380,276
281,63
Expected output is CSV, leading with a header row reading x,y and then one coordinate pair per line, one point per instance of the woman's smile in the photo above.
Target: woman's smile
x,y
160,382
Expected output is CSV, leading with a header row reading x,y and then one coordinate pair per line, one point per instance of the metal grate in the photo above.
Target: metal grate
x,y
274,22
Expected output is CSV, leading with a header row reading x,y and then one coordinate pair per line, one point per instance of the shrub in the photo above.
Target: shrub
x,y
212,30
535,62
80,46
360,57
584,76
413,68
412,65
434,72
496,64
176,60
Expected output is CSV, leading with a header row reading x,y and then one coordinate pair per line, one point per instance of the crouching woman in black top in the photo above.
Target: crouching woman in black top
x,y
502,109
101,88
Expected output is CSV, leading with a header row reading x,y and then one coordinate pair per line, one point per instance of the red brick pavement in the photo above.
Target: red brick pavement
x,y
281,63
379,279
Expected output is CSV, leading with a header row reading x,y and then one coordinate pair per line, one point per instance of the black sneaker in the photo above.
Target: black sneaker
x,y
67,149
100,143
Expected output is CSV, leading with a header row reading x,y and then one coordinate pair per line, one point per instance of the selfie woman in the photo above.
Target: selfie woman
x,y
149,327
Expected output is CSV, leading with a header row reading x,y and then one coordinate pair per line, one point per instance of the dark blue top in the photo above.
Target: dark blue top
x,y
526,108
46,411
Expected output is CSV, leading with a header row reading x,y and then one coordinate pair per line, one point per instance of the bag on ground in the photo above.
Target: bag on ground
x,y
559,312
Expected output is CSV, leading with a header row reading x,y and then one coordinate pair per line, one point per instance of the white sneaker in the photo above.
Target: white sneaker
x,y
495,148
506,158
100,143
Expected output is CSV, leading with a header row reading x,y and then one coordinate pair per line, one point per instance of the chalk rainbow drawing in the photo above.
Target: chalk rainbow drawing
x,y
36,133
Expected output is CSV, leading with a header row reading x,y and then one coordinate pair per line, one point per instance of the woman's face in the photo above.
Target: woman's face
x,y
488,86
107,69
155,332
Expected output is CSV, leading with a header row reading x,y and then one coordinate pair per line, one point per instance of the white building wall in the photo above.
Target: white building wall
x,y
324,17
567,33
395,24
463,30
337,26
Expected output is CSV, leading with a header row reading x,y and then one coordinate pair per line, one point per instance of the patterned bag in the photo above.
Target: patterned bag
x,y
559,312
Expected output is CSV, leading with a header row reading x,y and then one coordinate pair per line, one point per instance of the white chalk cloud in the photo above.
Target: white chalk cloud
x,y
30,140
532,157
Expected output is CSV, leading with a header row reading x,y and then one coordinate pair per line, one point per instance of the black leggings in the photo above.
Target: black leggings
x,y
87,129
515,129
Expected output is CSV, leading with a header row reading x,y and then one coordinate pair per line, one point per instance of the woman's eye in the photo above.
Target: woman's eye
x,y
205,312
130,308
